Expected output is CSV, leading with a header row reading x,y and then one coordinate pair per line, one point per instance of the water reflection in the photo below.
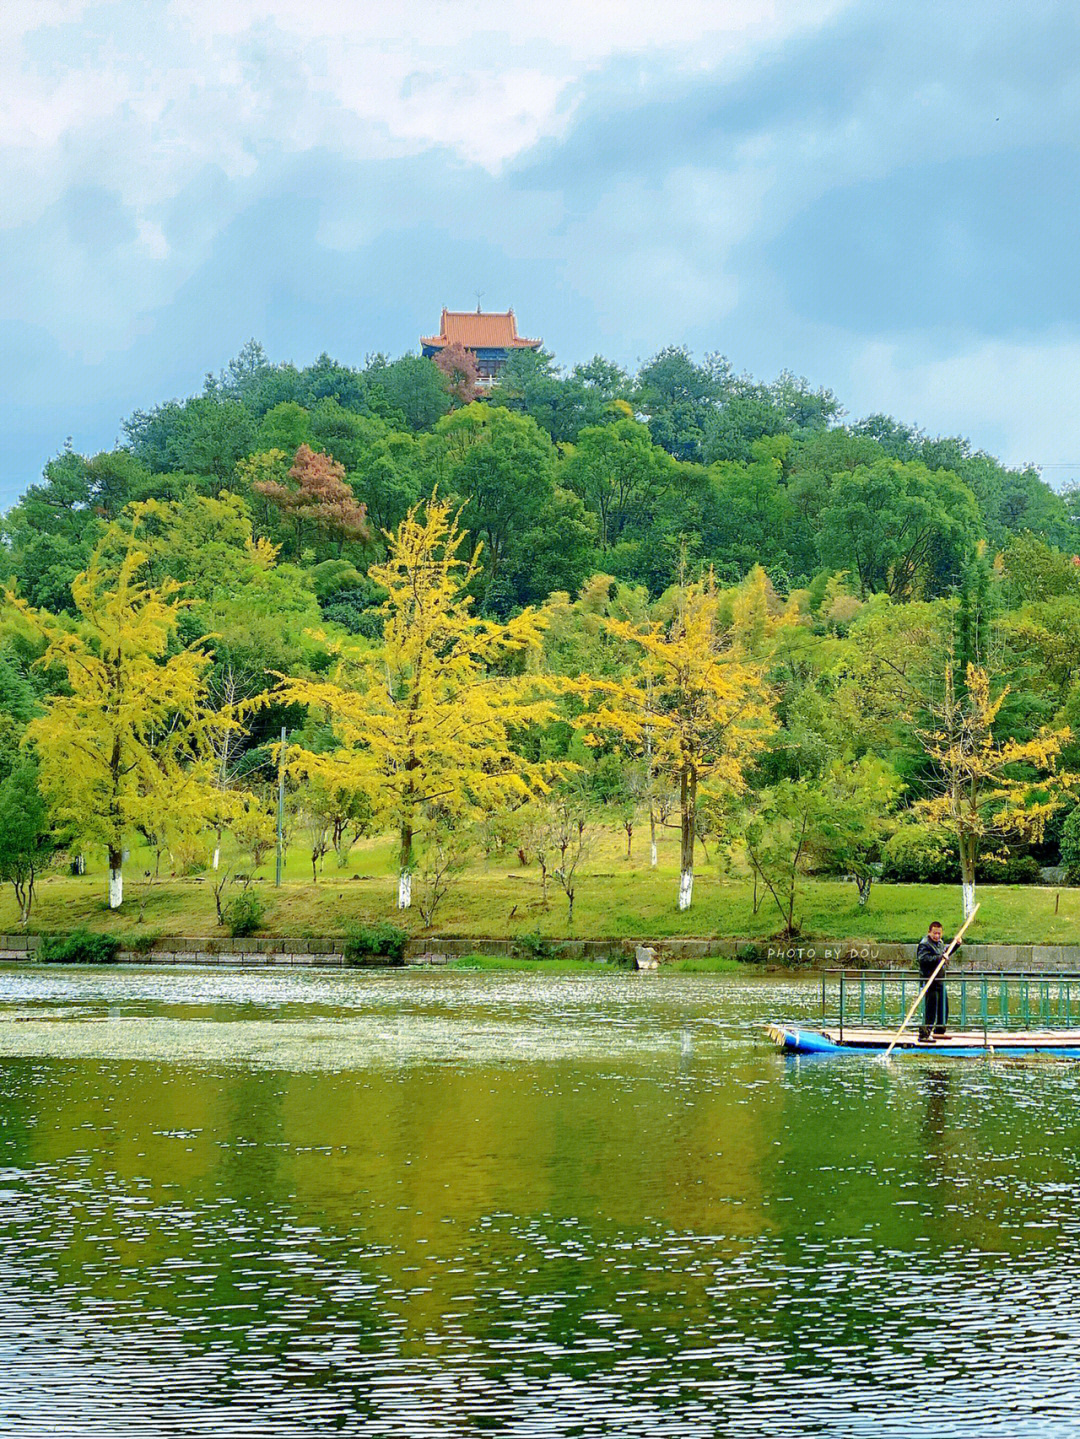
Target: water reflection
x,y
448,1205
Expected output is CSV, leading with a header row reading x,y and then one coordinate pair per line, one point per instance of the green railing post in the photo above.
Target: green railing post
x,y
841,1006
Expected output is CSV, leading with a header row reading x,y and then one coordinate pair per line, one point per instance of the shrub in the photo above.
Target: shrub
x,y
1011,869
747,954
920,856
244,914
367,943
81,946
143,943
533,945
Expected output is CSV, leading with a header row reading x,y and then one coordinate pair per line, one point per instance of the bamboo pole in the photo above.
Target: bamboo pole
x,y
922,992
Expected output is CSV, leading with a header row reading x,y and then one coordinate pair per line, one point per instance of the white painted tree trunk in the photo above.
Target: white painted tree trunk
x,y
686,888
217,857
116,887
968,891
404,889
652,855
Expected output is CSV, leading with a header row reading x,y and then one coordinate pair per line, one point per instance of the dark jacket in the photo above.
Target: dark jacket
x,y
928,955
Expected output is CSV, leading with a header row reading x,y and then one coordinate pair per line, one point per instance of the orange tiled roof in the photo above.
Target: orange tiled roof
x,y
479,331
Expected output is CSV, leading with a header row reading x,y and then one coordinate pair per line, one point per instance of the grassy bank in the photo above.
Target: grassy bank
x,y
617,898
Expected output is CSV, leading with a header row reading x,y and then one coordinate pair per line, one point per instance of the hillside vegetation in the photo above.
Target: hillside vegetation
x,y
507,634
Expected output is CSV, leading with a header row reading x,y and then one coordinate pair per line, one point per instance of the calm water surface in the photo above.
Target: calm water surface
x,y
439,1205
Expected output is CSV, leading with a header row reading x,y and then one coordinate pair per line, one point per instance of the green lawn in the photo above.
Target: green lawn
x,y
617,898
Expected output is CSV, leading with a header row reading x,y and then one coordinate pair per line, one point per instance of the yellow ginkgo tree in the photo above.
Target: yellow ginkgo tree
x,y
127,746
988,788
696,702
424,720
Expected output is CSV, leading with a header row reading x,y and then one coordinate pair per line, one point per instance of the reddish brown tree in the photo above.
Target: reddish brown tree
x,y
319,496
462,376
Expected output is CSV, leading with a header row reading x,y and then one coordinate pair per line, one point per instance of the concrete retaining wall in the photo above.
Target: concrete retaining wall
x,y
816,954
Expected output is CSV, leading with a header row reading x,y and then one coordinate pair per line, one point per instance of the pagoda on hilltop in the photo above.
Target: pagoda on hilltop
x,y
488,335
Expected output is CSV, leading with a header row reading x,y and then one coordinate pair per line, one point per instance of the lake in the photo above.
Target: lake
x,y
440,1204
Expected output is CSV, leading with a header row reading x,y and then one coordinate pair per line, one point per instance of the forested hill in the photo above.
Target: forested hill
x,y
844,647
561,475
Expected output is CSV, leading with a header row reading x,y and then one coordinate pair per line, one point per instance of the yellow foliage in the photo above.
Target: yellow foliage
x,y
423,720
987,791
262,553
698,705
128,746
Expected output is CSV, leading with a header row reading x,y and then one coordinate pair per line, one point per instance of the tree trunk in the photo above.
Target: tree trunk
x,y
570,904
629,839
24,894
688,816
967,873
652,838
116,878
405,866
217,856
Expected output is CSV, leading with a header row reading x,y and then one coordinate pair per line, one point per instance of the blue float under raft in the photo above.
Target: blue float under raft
x,y
966,1044
990,1012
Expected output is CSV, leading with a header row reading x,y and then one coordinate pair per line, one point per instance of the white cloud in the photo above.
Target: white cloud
x,y
655,259
1020,399
141,96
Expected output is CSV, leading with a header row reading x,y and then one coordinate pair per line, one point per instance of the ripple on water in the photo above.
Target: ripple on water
x,y
448,1204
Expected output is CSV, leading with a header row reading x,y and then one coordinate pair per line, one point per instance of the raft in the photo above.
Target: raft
x,y
957,1044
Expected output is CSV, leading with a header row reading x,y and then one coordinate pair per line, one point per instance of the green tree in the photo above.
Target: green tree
x,y
411,387
902,530
620,475
203,436
501,466
285,427
27,842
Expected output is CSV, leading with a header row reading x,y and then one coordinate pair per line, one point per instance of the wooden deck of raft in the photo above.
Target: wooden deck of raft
x,y
856,1037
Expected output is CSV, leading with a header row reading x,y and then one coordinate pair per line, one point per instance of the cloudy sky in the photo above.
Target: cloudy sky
x,y
878,194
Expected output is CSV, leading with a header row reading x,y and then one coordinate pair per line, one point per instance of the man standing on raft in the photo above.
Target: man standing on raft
x,y
936,1010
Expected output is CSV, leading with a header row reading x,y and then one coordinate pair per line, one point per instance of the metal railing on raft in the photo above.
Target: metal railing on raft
x,y
989,1000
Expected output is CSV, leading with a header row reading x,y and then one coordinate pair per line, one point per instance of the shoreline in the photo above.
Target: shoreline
x,y
446,951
